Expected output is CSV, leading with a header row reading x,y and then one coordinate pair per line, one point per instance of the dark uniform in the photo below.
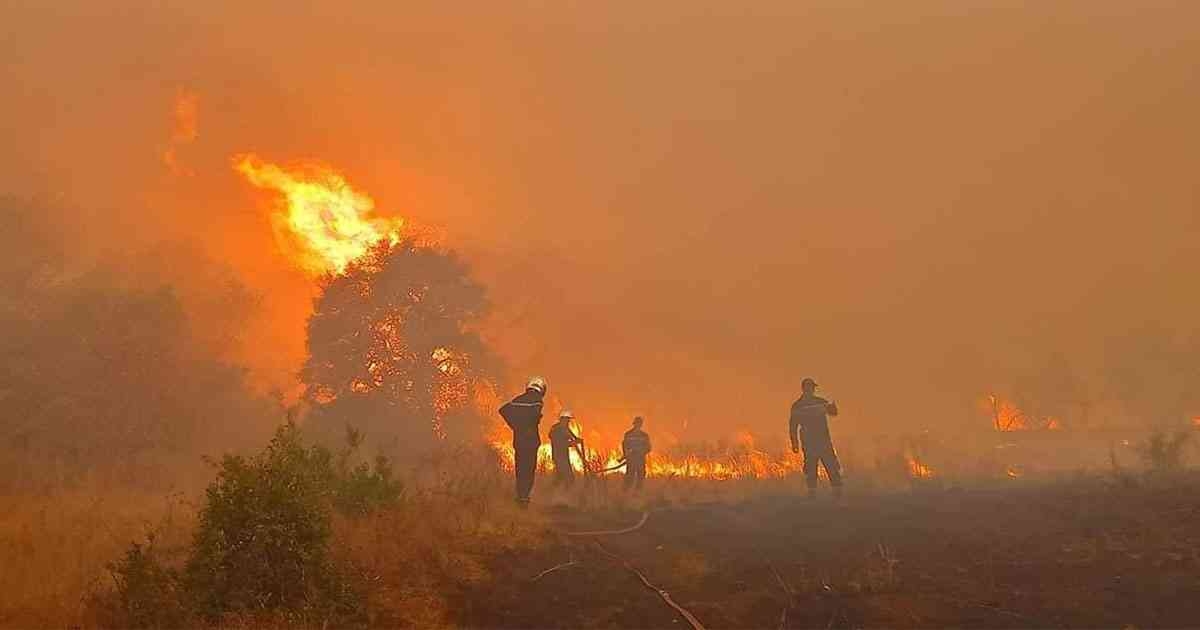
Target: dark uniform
x,y
635,446
561,441
809,418
523,414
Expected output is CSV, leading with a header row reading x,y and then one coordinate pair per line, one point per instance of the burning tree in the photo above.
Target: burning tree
x,y
391,347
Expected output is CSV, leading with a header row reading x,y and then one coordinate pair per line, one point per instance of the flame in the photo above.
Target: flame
x,y
321,222
917,469
1008,417
745,461
452,389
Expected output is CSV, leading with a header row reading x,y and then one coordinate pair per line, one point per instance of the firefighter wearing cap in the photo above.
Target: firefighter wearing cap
x,y
562,440
809,429
522,414
635,446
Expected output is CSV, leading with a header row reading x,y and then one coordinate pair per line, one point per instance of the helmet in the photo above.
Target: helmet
x,y
566,414
538,383
807,383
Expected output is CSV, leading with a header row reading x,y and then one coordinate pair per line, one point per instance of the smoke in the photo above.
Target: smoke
x,y
111,373
679,210
185,115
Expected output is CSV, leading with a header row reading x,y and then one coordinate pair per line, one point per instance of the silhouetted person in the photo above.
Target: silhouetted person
x,y
562,439
522,415
809,420
635,446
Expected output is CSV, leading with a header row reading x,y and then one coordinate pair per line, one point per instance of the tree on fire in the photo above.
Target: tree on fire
x,y
390,345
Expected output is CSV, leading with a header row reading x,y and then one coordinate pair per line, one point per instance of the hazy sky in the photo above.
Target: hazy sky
x,y
681,208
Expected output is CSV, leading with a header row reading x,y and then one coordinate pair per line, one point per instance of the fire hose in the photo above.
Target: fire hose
x,y
610,532
666,597
616,466
663,594
587,467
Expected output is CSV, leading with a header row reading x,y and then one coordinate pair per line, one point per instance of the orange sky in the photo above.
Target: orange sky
x,y
680,209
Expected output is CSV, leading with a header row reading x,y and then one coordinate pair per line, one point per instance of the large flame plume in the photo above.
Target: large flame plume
x,y
321,222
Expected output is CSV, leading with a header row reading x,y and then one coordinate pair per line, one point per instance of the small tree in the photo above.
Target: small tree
x,y
263,536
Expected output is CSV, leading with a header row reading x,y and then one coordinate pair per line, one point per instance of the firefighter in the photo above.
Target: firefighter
x,y
810,423
522,415
562,440
635,447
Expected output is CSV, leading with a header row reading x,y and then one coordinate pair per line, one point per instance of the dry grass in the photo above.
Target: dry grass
x,y
54,548
416,557
410,559
421,562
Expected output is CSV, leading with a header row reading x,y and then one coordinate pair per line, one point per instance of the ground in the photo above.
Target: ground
x,y
1085,552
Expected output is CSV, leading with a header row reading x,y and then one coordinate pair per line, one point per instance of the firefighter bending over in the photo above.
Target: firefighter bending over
x,y
562,440
809,419
635,446
522,415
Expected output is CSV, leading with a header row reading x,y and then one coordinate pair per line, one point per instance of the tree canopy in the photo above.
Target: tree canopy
x,y
392,348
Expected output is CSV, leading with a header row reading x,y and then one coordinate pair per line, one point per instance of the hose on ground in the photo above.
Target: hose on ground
x,y
666,597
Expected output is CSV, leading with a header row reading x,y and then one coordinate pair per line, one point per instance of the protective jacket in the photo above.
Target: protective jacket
x,y
561,441
522,415
809,417
636,444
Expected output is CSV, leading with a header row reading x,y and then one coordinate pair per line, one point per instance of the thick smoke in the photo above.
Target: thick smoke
x,y
679,210
111,373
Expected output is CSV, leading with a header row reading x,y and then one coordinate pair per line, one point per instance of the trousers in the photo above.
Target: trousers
x,y
821,452
525,463
635,472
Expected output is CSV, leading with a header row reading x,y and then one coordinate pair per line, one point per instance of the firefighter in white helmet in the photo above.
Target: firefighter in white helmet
x,y
562,440
523,414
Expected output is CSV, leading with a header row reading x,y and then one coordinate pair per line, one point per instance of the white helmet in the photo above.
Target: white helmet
x,y
566,414
538,383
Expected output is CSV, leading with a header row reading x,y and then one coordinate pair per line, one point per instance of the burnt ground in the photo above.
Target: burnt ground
x,y
1084,553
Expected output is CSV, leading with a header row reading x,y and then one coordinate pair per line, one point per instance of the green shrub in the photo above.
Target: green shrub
x,y
263,537
261,546
147,594
364,488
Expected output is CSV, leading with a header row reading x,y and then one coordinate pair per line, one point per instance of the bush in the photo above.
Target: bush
x,y
364,489
263,536
1164,452
261,546
147,594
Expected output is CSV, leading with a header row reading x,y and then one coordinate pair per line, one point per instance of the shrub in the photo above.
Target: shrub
x,y
261,546
147,594
263,536
364,489
1164,452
